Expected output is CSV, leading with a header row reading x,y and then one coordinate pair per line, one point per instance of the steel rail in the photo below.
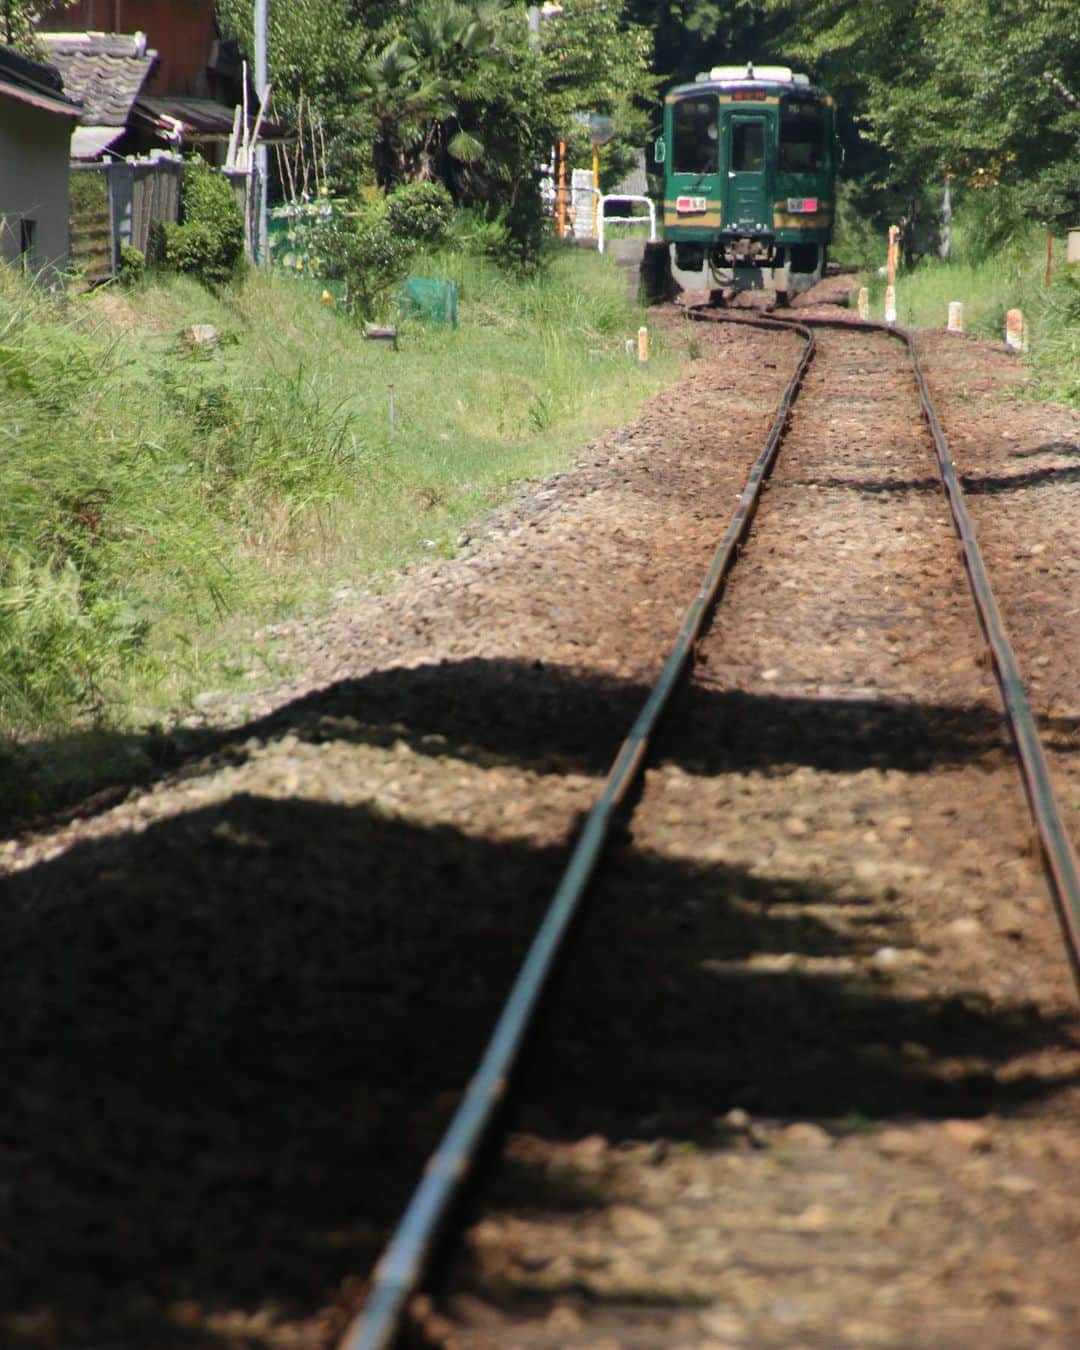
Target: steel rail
x,y
1058,855
404,1261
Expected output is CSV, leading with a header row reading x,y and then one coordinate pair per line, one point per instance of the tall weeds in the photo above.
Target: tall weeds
x,y
131,492
158,499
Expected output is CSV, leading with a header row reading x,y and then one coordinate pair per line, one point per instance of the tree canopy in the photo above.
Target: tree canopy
x,y
460,91
978,92
17,22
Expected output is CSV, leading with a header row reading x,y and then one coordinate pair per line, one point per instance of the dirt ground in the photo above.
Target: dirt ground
x,y
811,1077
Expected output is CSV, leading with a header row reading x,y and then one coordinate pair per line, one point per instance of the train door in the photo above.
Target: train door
x,y
746,194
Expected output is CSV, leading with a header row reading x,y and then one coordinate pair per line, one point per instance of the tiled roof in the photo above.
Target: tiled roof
x,y
33,82
105,70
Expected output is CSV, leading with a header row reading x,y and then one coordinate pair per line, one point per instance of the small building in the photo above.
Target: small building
x,y
168,83
184,35
106,72
36,122
151,96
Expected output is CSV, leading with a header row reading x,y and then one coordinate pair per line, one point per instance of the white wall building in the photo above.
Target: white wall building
x,y
36,122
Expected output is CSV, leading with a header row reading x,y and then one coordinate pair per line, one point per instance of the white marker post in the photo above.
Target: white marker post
x,y
956,316
643,346
1015,332
864,303
890,273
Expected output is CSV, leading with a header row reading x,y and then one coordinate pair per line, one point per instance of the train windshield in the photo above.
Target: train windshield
x,y
802,137
695,127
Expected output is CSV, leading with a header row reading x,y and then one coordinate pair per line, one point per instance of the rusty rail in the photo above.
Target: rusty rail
x,y
404,1261
1058,855
402,1265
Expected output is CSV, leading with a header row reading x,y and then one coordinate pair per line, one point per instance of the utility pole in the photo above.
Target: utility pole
x,y
262,250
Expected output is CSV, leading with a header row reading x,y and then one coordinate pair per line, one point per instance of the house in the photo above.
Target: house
x,y
106,72
183,34
36,122
156,82
153,75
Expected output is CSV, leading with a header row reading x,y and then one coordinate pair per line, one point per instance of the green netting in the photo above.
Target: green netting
x,y
425,298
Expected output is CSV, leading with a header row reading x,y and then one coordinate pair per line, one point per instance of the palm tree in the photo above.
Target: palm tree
x,y
422,85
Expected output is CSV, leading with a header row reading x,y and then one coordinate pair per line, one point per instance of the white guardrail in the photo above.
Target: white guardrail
x,y
602,221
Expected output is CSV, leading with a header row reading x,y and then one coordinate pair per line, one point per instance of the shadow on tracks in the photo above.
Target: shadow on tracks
x,y
231,1039
552,718
981,484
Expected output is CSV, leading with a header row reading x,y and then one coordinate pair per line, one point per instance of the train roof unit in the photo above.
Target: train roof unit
x,y
779,78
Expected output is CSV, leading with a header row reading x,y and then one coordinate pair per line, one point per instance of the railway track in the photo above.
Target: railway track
x,y
818,690
811,1057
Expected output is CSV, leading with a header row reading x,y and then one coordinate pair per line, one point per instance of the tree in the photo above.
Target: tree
x,y
18,20
466,95
964,89
313,47
694,35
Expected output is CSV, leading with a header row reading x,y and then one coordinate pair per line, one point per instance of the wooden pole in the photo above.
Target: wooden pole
x,y
892,255
1049,257
560,192
596,186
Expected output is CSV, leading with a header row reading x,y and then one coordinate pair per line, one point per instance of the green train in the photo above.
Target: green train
x,y
749,158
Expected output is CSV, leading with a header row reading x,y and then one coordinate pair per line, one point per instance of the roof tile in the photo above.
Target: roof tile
x,y
105,70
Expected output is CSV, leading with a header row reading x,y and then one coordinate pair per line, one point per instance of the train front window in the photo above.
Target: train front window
x,y
748,147
802,138
694,127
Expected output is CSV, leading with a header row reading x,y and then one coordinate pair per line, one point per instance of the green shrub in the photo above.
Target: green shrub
x,y
419,212
856,241
364,252
471,231
1056,337
88,192
209,241
990,223
132,264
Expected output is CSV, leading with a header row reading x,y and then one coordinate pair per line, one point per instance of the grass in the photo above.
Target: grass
x,y
989,283
988,288
160,501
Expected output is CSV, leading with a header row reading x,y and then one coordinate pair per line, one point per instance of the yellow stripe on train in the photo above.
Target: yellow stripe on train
x,y
710,219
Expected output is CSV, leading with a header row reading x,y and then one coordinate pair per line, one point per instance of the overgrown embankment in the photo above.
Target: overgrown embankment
x,y
159,498
999,261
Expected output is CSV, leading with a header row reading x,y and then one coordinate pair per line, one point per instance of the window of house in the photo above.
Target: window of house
x,y
27,232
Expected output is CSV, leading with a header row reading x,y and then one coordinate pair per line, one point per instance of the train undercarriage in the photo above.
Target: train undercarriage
x,y
733,265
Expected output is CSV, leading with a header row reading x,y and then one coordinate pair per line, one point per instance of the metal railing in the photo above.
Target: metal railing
x,y
602,220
